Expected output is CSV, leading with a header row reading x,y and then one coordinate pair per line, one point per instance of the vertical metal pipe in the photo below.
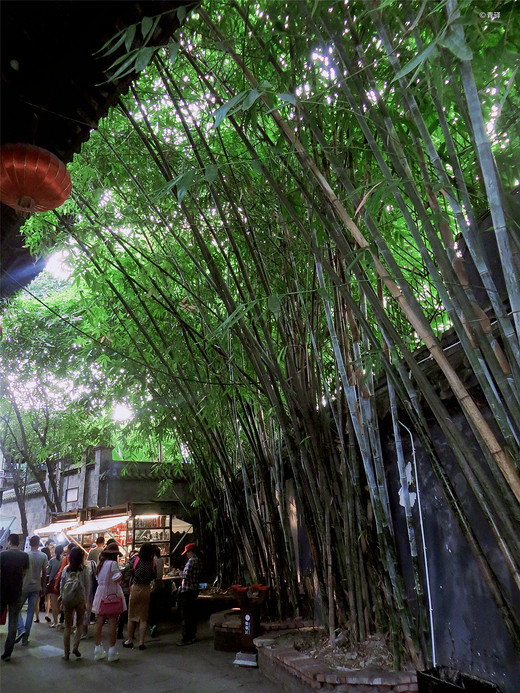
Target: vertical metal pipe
x,y
425,556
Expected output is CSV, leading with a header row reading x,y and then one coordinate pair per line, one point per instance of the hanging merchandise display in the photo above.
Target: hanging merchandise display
x,y
32,179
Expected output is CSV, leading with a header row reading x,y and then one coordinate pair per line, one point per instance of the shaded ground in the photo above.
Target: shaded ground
x,y
161,668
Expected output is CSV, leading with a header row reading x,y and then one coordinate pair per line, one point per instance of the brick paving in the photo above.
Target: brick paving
x,y
297,671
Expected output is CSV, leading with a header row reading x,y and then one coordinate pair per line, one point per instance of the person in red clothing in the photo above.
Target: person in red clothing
x,y
188,593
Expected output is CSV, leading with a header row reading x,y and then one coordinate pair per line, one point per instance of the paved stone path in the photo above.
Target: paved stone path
x,y
161,668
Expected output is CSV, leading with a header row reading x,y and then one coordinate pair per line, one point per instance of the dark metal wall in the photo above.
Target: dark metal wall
x,y
470,635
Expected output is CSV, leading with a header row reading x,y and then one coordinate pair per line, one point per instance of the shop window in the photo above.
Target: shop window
x,y
72,495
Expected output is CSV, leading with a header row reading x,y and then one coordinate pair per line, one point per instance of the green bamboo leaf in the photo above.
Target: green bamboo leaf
x,y
118,40
125,57
417,61
455,43
274,304
235,316
184,183
223,111
173,49
146,25
168,187
469,19
281,355
384,3
150,28
181,14
126,68
210,173
129,36
321,236
251,119
359,254
287,98
250,99
143,57
509,85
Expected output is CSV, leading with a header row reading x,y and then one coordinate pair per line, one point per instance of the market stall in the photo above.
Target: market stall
x,y
132,525
115,526
131,529
169,533
58,531
162,530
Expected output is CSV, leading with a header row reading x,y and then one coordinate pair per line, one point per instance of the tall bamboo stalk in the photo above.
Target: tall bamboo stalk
x,y
501,457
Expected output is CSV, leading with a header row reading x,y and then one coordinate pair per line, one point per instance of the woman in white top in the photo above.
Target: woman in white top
x,y
109,583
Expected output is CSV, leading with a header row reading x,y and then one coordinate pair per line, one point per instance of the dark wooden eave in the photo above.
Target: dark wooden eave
x,y
55,89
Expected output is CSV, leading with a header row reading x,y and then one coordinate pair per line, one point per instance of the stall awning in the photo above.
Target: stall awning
x,y
55,528
181,526
100,525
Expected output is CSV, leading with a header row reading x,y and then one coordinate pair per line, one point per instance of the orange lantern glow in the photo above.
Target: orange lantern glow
x,y
32,179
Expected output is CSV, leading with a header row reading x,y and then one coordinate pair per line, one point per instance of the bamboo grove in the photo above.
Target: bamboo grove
x,y
264,231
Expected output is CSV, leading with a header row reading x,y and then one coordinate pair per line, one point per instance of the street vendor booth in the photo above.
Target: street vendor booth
x,y
57,531
113,525
131,525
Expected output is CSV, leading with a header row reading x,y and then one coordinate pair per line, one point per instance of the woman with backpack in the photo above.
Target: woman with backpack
x,y
143,572
74,589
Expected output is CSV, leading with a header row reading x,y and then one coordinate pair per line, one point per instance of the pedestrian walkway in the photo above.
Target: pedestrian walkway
x,y
161,668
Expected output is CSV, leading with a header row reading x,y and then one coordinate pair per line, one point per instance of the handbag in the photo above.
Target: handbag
x,y
111,604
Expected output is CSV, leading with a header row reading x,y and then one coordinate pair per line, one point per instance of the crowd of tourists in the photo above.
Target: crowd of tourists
x,y
73,587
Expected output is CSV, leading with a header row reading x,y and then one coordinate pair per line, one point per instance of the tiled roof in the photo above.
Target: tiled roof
x,y
31,490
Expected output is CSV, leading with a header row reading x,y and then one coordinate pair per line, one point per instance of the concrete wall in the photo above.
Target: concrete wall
x,y
35,507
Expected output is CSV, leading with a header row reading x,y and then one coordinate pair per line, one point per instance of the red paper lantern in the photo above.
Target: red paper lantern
x,y
32,179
